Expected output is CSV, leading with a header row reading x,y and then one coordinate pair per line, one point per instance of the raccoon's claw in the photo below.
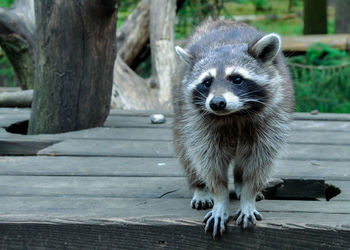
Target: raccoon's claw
x,y
260,196
202,204
202,200
243,216
215,221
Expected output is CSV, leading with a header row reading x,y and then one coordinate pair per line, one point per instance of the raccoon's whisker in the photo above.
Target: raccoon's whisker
x,y
249,93
200,93
254,100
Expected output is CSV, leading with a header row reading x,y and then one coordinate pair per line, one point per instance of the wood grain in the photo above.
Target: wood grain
x,y
147,167
135,236
164,149
303,43
122,187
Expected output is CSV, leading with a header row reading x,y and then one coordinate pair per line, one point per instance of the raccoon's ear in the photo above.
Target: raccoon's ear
x,y
266,48
184,55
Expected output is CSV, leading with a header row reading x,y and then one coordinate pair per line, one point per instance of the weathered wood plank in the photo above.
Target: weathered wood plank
x,y
300,125
165,134
122,187
112,209
170,236
131,187
6,119
326,122
296,116
321,116
148,167
23,147
169,113
164,149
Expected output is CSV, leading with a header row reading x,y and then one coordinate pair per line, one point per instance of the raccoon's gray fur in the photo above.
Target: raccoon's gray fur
x,y
233,105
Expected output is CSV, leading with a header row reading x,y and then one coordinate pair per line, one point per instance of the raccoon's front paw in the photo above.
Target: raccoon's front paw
x,y
202,200
247,213
216,219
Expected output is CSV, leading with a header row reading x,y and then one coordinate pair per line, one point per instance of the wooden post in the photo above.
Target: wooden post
x,y
74,64
315,17
162,47
342,16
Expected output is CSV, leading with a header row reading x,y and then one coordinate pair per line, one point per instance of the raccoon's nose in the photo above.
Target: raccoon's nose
x,y
217,103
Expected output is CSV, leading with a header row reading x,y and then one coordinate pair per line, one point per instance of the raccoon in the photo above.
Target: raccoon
x,y
232,106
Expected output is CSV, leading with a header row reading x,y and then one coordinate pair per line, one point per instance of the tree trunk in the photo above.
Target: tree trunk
x,y
342,16
315,17
162,47
17,39
75,53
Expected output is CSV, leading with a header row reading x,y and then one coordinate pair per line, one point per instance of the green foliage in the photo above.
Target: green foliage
x,y
6,70
323,83
261,5
322,54
6,3
194,11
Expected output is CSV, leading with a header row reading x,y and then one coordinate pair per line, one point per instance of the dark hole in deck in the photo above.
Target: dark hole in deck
x,y
299,189
18,128
22,147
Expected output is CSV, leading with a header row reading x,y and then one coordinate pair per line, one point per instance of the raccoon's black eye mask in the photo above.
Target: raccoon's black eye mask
x,y
207,82
236,79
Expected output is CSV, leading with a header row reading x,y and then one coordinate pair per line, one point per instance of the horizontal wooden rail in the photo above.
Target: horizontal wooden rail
x,y
303,43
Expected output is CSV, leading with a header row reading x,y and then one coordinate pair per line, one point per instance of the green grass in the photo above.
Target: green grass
x,y
322,90
325,85
283,27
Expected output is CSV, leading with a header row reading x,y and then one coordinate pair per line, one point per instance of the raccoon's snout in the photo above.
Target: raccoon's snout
x,y
217,103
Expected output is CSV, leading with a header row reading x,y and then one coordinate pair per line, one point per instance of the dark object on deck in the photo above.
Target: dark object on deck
x,y
315,17
74,65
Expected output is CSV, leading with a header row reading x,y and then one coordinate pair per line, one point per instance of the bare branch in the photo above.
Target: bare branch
x,y
19,20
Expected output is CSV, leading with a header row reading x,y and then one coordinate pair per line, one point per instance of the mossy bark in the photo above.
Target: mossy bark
x,y
20,54
75,53
17,39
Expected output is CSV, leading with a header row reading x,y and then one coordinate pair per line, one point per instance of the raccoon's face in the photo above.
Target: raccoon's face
x,y
231,79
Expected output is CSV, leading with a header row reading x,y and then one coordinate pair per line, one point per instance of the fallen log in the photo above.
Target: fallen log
x,y
20,99
303,43
131,91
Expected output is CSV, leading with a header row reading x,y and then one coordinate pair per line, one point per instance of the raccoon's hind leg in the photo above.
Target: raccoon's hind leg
x,y
237,174
201,197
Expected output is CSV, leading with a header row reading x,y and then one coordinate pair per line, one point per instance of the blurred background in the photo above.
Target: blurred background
x,y
319,66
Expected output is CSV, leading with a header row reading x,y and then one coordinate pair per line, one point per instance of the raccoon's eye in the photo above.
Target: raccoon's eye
x,y
236,80
207,82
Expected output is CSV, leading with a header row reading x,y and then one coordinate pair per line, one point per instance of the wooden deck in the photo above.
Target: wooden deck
x,y
121,187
